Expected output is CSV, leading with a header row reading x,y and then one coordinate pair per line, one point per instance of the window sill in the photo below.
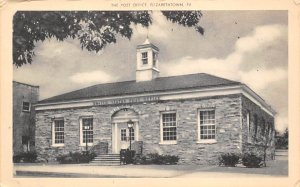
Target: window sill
x,y
58,145
207,141
168,142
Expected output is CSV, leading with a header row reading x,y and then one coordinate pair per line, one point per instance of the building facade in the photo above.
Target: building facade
x,y
196,117
24,97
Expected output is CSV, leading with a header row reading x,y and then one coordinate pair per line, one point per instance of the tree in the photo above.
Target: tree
x,y
282,140
94,29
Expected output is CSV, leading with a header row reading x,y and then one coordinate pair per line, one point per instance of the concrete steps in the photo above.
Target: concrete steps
x,y
106,160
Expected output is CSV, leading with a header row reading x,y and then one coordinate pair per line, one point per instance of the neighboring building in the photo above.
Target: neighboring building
x,y
24,96
196,117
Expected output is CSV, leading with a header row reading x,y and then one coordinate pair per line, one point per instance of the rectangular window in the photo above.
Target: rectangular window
x,y
123,135
207,125
248,126
59,131
26,106
131,133
126,134
255,125
87,130
145,58
154,56
169,126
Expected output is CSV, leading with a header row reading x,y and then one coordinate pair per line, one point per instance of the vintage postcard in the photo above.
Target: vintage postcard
x,y
162,92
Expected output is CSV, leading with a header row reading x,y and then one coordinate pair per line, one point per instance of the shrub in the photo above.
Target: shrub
x,y
75,158
169,159
229,159
251,160
155,158
28,157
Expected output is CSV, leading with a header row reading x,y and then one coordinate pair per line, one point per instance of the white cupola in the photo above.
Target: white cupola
x,y
147,61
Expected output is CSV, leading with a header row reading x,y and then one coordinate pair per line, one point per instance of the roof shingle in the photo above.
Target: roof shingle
x,y
159,84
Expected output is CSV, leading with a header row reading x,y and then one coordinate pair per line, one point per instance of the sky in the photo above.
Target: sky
x,y
246,46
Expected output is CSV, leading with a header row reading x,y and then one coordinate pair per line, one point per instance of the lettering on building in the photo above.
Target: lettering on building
x,y
126,100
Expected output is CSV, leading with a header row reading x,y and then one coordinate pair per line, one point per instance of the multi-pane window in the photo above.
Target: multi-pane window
x,y
145,58
87,130
169,126
123,135
131,133
127,133
26,106
59,131
207,125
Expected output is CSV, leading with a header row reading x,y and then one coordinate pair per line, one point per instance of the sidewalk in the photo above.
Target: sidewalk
x,y
122,171
274,168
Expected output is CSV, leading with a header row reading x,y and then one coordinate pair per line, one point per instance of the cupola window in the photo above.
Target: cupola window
x,y
145,58
154,58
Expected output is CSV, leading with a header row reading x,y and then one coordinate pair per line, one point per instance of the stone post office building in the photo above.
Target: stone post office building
x,y
196,116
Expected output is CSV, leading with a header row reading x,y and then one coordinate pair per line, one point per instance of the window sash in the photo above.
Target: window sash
x,y
207,132
145,58
207,126
87,134
59,132
123,135
169,133
144,55
169,126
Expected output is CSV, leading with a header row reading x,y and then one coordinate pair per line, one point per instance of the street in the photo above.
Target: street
x,y
274,168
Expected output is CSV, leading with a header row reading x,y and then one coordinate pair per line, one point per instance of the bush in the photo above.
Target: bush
x,y
75,158
229,159
155,158
251,160
28,157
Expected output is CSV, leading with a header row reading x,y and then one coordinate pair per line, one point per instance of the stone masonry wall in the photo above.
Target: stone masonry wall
x,y
227,114
264,138
228,128
44,119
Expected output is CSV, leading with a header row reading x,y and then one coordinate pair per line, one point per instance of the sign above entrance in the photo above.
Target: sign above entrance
x,y
126,100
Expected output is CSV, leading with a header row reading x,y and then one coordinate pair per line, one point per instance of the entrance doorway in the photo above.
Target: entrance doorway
x,y
120,131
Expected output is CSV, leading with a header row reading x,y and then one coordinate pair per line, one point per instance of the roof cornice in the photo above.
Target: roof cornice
x,y
167,95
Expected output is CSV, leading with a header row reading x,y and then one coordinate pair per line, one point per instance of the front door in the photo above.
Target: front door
x,y
120,132
124,136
